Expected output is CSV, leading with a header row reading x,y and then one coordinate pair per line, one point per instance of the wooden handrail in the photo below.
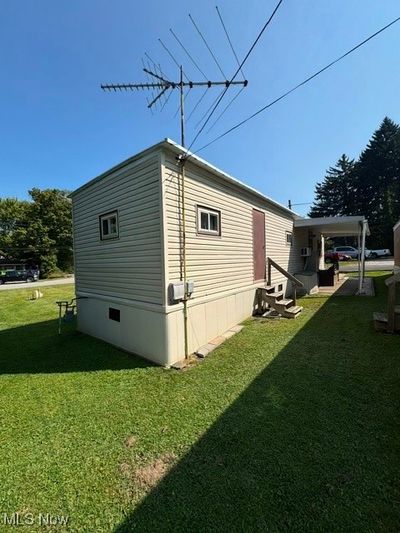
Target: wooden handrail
x,y
294,280
393,279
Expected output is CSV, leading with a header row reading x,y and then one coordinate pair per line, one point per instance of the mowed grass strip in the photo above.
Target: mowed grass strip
x,y
291,424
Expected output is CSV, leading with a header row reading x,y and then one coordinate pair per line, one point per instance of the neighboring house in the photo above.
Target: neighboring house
x,y
131,252
396,230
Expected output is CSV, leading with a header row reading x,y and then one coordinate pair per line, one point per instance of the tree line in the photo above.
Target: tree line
x,y
368,186
38,231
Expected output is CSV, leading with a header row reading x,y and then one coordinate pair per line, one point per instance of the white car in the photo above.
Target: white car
x,y
351,251
373,254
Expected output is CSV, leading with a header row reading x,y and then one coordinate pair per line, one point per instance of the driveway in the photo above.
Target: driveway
x,y
36,284
386,263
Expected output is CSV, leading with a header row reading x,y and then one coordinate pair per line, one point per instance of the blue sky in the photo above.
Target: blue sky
x,y
60,130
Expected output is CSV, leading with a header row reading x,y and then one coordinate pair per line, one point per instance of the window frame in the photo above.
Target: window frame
x,y
210,211
108,216
289,242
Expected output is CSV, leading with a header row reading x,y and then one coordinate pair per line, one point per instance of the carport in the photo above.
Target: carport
x,y
345,226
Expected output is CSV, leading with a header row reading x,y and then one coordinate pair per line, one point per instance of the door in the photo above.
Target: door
x,y
258,245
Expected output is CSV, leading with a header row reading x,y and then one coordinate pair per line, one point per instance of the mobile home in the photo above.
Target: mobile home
x,y
164,263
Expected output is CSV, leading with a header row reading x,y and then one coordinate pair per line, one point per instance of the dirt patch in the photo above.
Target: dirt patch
x,y
130,441
149,475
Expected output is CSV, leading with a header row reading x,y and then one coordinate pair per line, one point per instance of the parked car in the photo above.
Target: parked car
x,y
334,257
374,254
350,251
28,275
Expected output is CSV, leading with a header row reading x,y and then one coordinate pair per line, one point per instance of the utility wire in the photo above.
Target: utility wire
x,y
172,57
229,41
208,48
290,91
225,109
197,104
187,53
237,71
206,113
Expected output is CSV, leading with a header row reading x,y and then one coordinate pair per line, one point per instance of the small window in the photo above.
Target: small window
x,y
208,221
289,237
109,226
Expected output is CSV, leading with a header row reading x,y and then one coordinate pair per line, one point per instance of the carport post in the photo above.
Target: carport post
x,y
359,259
364,231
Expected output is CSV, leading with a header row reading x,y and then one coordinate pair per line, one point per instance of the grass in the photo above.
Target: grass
x,y
290,425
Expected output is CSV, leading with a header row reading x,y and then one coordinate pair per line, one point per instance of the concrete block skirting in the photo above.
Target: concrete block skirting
x,y
205,350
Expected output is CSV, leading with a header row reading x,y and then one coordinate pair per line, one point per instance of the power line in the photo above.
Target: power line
x,y
287,93
208,48
225,109
197,105
206,113
187,53
238,69
229,41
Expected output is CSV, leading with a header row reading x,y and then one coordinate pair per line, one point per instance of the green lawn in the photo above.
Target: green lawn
x,y
290,425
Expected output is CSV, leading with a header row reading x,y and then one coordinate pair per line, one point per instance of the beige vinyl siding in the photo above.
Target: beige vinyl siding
x,y
129,266
221,263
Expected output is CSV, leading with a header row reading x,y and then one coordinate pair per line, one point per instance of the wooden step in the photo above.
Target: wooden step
x,y
268,288
292,312
381,320
283,304
275,295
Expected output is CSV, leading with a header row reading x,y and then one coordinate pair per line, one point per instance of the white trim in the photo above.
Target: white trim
x,y
397,225
209,212
163,231
123,301
107,217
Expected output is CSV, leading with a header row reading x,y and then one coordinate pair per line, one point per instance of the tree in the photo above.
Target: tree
x,y
13,223
51,218
377,183
333,195
370,186
39,231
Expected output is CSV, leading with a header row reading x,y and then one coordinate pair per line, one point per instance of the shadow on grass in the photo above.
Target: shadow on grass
x,y
311,445
37,348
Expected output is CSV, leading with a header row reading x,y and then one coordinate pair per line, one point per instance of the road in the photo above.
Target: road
x,y
386,263
36,284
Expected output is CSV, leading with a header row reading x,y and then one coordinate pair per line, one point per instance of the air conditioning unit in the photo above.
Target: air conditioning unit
x,y
305,252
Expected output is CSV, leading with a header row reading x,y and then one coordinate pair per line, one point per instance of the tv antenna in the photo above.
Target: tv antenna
x,y
163,85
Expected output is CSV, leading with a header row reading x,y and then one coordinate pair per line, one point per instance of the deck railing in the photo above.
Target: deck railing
x,y
295,282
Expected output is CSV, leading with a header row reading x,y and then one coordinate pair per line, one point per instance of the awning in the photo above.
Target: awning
x,y
335,226
353,226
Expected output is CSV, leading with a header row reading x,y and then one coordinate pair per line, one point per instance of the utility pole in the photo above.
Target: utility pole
x,y
164,85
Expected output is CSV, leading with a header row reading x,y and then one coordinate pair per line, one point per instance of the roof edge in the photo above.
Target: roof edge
x,y
122,164
177,148
227,177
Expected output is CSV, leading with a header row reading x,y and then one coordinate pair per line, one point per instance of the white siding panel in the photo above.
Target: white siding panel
x,y
221,263
129,267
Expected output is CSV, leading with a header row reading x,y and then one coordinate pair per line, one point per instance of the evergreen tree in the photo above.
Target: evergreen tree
x,y
333,196
377,183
